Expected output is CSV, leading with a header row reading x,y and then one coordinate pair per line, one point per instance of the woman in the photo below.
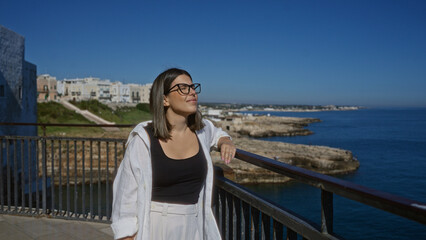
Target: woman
x,y
163,187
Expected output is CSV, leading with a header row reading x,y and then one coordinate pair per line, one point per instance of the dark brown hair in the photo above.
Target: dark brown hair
x,y
160,124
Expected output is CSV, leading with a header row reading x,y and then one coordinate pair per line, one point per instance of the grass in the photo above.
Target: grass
x,y
53,112
123,115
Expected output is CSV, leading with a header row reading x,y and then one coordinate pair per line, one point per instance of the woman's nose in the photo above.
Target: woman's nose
x,y
192,91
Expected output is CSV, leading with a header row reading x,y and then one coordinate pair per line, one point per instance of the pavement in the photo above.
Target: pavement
x,y
37,228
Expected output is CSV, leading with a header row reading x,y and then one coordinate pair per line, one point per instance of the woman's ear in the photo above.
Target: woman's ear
x,y
166,101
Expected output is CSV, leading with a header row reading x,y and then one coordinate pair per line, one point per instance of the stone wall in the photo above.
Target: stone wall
x,y
18,79
18,101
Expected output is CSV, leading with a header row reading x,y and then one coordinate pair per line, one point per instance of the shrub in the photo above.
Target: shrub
x,y
144,107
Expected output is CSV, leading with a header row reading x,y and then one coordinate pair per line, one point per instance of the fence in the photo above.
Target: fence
x,y
71,178
242,214
63,177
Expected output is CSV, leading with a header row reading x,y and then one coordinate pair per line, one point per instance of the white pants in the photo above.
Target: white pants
x,y
174,222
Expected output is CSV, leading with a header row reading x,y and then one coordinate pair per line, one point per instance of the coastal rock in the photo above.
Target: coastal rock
x,y
267,126
321,159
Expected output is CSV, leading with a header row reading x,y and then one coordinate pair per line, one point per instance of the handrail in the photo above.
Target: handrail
x,y
285,216
404,207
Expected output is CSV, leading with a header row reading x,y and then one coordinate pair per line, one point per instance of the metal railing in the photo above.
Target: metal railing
x,y
243,214
71,178
59,176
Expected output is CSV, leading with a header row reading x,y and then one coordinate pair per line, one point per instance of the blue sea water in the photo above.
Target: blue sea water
x,y
391,147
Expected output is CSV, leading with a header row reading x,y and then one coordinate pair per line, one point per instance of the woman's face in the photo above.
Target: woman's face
x,y
177,101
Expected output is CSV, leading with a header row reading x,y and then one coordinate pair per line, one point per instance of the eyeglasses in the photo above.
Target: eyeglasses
x,y
184,88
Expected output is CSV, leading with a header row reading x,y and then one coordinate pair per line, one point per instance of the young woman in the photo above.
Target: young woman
x,y
163,187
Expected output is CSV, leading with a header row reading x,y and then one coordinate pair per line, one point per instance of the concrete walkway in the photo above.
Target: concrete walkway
x,y
32,228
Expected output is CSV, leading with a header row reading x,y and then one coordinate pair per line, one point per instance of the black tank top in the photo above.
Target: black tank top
x,y
176,181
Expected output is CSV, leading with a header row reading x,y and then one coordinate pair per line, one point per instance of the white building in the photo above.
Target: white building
x,y
120,93
140,93
146,89
103,90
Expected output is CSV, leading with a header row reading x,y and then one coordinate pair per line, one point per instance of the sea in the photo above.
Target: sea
x,y
389,143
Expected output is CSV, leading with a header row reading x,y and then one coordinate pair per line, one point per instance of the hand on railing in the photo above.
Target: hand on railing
x,y
227,149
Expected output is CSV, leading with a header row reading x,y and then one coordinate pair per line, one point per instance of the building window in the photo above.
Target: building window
x,y
45,88
1,90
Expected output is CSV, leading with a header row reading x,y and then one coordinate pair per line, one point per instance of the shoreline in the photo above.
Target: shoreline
x,y
321,159
301,110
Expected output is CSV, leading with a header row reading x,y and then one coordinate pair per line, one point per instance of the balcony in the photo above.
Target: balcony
x,y
75,182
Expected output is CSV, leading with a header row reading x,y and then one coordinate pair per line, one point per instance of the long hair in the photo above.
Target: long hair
x,y
160,124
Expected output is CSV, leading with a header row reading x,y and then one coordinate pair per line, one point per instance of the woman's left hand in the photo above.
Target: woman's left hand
x,y
227,149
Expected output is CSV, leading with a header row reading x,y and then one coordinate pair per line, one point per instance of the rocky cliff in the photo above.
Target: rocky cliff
x,y
320,159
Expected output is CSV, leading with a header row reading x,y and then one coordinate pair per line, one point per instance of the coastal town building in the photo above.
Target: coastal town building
x,y
140,93
120,92
80,89
84,89
212,114
46,88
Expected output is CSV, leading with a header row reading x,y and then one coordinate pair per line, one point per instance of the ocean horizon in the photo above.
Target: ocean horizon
x,y
389,143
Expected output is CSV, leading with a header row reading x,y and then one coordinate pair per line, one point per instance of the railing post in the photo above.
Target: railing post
x,y
1,177
230,215
52,176
291,235
44,181
326,212
238,220
8,180
247,220
43,127
15,174
266,226
22,175
277,230
255,227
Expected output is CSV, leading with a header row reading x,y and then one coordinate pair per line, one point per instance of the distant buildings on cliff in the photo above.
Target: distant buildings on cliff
x,y
78,89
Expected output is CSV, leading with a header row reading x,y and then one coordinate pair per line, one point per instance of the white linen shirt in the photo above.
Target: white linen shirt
x,y
132,186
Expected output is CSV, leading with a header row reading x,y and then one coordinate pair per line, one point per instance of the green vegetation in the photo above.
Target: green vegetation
x,y
53,112
122,115
144,107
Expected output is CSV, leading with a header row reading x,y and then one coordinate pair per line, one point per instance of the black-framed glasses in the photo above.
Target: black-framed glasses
x,y
185,89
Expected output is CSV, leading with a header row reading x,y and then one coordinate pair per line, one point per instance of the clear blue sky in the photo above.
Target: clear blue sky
x,y
369,53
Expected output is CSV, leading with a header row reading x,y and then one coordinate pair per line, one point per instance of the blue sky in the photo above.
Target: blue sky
x,y
369,53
